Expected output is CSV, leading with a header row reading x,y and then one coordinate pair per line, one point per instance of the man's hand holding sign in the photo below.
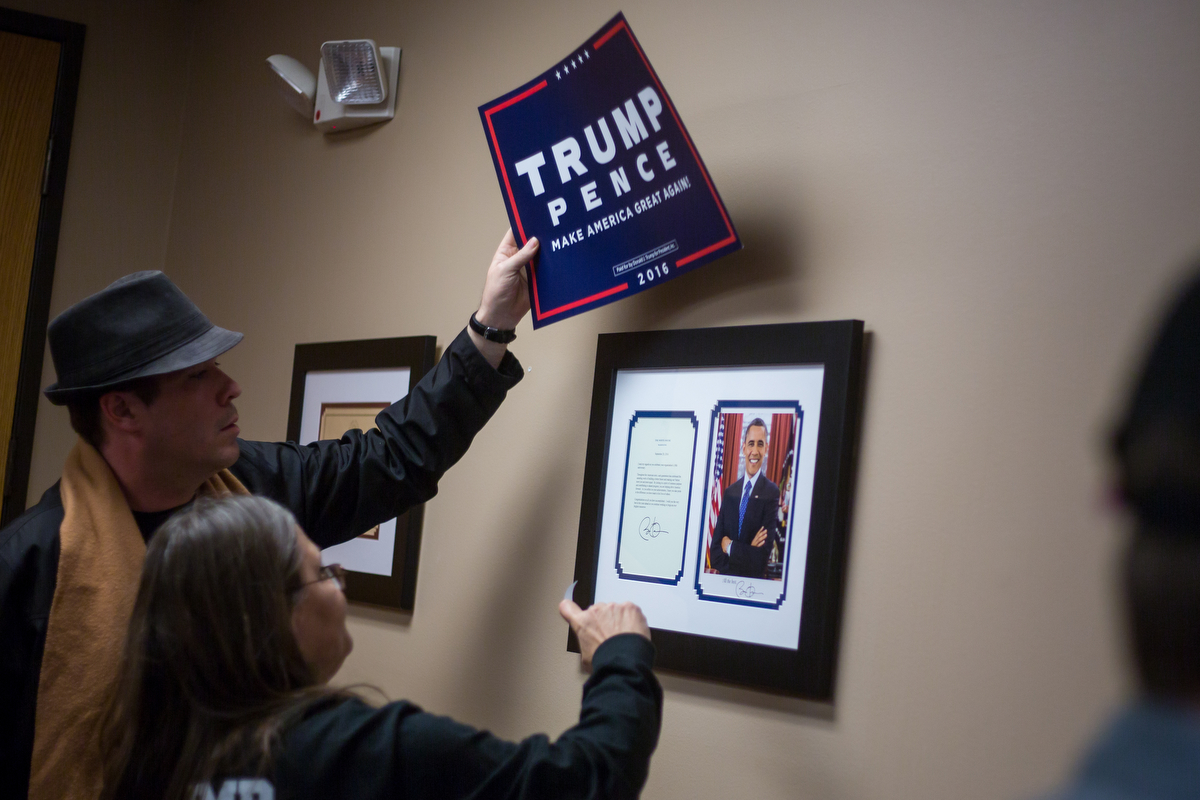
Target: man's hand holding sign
x,y
594,161
505,295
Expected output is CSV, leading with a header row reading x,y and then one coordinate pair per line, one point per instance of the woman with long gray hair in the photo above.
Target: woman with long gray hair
x,y
236,630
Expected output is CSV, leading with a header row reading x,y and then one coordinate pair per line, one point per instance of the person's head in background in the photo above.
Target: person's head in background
x,y
1157,448
235,621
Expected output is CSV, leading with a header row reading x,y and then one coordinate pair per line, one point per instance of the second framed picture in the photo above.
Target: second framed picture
x,y
342,386
717,493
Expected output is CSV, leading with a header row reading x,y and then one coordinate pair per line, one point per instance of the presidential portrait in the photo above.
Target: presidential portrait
x,y
748,513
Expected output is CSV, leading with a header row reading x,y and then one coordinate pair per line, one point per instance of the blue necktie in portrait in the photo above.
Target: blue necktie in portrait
x,y
742,507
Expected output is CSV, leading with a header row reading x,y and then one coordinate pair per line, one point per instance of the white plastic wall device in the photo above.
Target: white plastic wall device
x,y
296,83
332,117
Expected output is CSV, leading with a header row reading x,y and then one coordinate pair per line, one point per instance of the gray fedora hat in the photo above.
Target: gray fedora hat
x,y
140,325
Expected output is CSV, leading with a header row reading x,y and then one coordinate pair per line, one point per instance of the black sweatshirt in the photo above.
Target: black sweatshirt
x,y
352,751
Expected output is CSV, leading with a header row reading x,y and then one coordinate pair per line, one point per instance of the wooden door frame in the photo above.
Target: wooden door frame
x,y
19,449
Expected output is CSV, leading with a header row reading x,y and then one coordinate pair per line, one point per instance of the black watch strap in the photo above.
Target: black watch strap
x,y
492,334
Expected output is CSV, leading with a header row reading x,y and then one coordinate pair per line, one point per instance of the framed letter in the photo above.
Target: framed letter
x,y
717,492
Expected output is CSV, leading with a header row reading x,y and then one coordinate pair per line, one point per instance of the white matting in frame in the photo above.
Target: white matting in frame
x,y
361,554
762,611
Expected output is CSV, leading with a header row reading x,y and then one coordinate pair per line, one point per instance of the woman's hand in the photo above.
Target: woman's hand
x,y
600,622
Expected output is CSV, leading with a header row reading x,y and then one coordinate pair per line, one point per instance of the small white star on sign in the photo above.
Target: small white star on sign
x,y
558,74
566,68
573,62
587,53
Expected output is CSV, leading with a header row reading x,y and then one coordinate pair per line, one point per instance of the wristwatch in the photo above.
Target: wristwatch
x,y
492,334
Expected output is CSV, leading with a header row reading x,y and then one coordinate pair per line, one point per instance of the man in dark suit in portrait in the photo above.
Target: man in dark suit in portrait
x,y
748,524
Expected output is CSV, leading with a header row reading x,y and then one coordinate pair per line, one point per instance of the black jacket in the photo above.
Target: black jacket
x,y
351,751
335,489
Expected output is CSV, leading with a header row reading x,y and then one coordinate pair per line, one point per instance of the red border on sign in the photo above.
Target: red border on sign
x,y
537,310
504,172
611,32
584,300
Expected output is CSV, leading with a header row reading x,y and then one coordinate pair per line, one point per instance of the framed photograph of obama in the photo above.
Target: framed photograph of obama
x,y
716,495
341,386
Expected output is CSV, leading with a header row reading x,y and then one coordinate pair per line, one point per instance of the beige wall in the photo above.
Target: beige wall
x,y
1003,191
121,177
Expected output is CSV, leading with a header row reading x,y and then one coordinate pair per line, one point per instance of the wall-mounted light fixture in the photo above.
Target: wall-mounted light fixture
x,y
355,85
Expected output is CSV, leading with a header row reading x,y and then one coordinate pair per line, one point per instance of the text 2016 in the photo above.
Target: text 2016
x,y
650,274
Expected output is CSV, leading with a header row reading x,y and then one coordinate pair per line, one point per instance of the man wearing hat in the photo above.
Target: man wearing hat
x,y
137,370
1151,749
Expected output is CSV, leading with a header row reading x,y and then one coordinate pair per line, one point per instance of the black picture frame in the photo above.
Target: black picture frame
x,y
418,354
808,671
70,35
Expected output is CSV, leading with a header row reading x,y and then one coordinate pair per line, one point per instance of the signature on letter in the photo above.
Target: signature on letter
x,y
744,589
649,529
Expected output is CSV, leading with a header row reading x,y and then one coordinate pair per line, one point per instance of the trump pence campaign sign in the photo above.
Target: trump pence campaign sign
x,y
594,160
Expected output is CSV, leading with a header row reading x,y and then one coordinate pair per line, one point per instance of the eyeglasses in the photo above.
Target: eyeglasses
x,y
329,572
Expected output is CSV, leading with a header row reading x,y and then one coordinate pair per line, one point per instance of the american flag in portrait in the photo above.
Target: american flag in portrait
x,y
714,500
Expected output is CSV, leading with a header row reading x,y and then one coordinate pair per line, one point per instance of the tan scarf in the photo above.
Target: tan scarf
x,y
99,567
